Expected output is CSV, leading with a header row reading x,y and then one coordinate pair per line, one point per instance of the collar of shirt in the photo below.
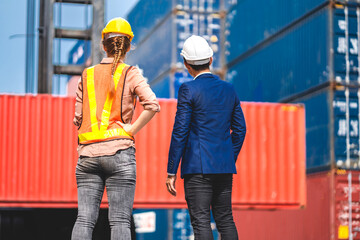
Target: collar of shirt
x,y
201,74
108,60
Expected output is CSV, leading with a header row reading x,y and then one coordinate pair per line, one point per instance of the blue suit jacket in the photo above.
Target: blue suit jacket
x,y
206,111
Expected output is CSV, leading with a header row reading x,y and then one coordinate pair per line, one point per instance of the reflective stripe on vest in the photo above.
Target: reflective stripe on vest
x,y
102,133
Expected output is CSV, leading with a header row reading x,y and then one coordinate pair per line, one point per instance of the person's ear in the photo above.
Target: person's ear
x,y
186,64
187,67
211,60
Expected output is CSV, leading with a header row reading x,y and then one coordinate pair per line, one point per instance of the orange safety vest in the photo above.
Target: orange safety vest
x,y
101,112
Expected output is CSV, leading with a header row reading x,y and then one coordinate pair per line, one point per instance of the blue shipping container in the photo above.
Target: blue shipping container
x,y
324,149
165,224
306,56
159,54
346,128
250,22
154,55
148,13
305,64
168,86
291,64
346,23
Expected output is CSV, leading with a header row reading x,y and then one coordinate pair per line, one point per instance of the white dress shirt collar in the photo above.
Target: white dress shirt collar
x,y
201,74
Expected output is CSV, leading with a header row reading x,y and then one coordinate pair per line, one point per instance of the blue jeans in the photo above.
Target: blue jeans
x,y
203,192
118,174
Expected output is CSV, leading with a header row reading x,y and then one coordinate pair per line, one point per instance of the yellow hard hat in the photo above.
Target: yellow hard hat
x,y
118,25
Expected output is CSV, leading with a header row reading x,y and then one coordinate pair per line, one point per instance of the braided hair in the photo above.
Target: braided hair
x,y
117,48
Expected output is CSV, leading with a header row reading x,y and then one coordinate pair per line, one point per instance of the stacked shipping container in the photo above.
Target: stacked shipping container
x,y
313,65
160,30
304,52
327,216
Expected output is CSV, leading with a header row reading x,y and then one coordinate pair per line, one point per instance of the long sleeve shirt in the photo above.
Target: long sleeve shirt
x,y
135,86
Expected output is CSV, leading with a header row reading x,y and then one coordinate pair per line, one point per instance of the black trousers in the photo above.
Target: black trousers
x,y
203,192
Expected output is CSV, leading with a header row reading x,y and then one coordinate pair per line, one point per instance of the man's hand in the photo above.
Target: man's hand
x,y
170,184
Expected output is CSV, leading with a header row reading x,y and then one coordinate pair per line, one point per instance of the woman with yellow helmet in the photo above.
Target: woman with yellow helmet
x,y
105,102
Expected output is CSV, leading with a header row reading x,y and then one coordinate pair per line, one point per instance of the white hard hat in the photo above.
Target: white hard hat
x,y
196,50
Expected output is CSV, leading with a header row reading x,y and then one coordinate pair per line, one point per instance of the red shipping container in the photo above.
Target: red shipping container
x,y
326,215
38,155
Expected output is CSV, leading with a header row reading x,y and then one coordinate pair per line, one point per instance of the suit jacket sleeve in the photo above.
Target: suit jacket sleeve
x,y
181,129
238,128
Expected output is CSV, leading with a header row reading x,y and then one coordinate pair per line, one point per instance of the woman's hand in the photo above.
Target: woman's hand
x,y
142,120
127,128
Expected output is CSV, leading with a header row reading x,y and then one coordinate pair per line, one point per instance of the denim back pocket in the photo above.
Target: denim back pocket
x,y
126,156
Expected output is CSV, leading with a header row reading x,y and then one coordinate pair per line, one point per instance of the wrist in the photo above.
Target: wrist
x,y
132,132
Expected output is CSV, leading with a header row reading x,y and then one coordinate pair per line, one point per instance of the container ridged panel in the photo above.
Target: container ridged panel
x,y
38,150
154,55
248,24
162,88
318,129
164,44
306,69
342,203
163,34
300,63
310,223
271,164
170,82
326,215
340,17
145,15
340,107
326,131
38,155
152,148
148,13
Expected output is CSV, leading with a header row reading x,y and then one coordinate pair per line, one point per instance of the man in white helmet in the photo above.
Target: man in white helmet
x,y
208,110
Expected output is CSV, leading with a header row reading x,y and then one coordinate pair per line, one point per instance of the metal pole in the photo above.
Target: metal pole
x,y
174,37
30,46
222,40
97,26
331,78
46,36
347,81
58,85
